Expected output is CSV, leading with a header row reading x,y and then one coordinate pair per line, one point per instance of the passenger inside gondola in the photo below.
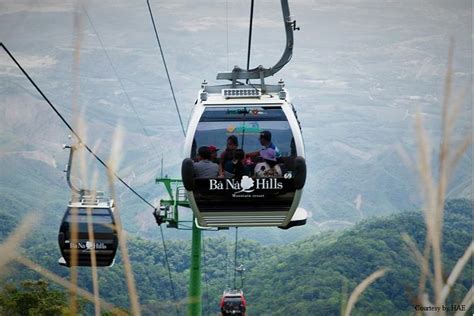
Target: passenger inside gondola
x,y
254,130
228,153
236,167
213,149
205,168
269,166
265,140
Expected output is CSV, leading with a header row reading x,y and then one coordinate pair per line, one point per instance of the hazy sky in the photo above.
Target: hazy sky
x,y
360,71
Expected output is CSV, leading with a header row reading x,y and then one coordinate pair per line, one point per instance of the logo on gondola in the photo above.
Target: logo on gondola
x,y
245,185
88,245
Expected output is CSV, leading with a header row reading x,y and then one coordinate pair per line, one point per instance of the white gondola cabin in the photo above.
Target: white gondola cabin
x,y
263,127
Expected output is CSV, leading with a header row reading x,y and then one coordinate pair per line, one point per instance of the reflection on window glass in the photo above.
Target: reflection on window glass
x,y
247,124
93,219
101,220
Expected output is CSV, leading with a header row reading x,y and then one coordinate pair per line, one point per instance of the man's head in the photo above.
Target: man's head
x,y
265,138
204,153
239,154
232,142
213,149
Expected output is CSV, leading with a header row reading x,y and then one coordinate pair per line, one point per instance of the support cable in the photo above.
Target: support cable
x,y
166,67
227,29
169,271
250,38
73,131
129,100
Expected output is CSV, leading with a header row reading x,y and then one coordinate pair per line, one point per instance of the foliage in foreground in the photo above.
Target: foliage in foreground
x,y
33,298
311,277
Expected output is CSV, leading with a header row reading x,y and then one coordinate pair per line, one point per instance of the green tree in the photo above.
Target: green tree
x,y
32,298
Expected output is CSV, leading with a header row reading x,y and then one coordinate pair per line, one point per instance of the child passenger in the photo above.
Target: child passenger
x,y
236,166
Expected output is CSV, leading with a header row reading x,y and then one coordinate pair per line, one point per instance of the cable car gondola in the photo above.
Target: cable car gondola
x,y
254,126
253,120
233,303
104,231
92,215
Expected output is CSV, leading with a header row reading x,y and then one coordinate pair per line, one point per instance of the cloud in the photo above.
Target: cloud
x,y
44,6
27,61
207,23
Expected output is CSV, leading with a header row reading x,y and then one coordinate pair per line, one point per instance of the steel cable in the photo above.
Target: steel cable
x,y
166,67
72,130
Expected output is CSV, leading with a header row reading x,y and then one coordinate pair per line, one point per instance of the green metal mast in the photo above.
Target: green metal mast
x,y
168,213
194,303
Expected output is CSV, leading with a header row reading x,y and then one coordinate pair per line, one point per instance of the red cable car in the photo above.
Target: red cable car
x,y
233,303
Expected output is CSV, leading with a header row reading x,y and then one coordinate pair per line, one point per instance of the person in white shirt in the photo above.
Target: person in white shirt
x,y
269,166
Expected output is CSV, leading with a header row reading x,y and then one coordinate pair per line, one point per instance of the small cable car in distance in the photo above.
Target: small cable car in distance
x,y
244,149
86,207
104,231
233,303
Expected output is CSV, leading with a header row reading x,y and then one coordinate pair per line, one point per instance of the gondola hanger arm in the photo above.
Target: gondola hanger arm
x,y
72,148
261,72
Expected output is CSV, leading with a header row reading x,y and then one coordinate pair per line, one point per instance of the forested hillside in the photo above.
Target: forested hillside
x,y
315,276
311,277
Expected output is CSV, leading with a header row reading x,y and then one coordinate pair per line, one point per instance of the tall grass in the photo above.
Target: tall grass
x,y
433,190
77,27
360,288
9,248
10,252
113,165
95,276
433,187
62,281
434,193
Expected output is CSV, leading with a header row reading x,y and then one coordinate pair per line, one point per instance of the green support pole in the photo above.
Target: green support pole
x,y
194,303
194,296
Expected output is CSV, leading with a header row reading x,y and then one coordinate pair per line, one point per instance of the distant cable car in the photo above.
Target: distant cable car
x,y
233,303
104,232
254,135
92,214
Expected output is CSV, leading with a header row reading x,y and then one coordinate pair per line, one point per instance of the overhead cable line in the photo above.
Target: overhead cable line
x,y
250,37
227,29
73,131
166,67
169,271
129,100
